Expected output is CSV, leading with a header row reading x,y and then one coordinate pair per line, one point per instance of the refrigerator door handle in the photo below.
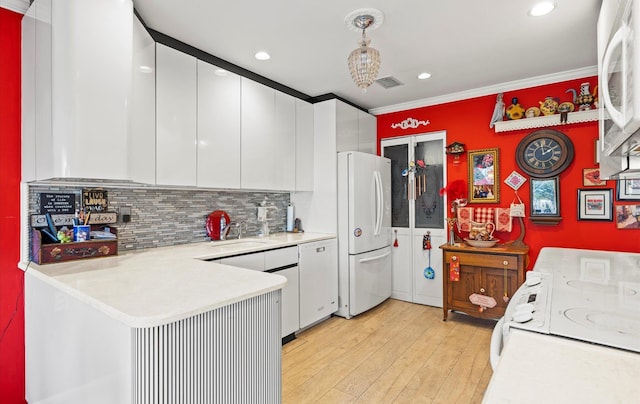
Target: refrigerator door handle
x,y
364,260
379,201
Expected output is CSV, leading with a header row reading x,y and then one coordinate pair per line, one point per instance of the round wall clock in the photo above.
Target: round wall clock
x,y
544,153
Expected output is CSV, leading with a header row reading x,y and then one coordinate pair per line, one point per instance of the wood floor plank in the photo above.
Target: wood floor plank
x,y
397,352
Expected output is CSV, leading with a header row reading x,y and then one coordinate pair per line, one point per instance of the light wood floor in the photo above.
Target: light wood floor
x,y
396,353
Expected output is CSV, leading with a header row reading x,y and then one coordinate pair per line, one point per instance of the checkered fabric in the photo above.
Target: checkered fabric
x,y
483,215
465,216
503,220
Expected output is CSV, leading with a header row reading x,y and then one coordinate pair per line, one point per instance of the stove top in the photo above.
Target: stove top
x,y
593,296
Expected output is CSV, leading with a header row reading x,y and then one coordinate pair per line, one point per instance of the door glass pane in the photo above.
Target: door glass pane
x,y
399,155
429,180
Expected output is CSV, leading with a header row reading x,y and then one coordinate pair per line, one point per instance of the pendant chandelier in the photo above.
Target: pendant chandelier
x,y
364,62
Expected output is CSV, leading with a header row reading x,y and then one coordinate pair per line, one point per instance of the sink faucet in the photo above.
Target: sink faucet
x,y
224,234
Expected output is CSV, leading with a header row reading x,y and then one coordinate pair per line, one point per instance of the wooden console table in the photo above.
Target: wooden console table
x,y
489,273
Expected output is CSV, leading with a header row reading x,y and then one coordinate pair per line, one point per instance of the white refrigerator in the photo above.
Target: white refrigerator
x,y
364,232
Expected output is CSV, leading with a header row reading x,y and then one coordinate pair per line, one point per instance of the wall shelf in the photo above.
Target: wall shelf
x,y
548,120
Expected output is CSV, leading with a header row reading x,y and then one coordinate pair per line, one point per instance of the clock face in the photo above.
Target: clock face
x,y
544,153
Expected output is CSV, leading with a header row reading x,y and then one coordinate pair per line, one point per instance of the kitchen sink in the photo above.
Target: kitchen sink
x,y
239,243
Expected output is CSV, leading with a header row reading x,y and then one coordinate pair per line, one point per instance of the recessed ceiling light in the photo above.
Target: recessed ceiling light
x,y
262,55
542,8
424,76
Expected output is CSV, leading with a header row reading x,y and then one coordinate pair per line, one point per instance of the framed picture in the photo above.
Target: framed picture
x,y
591,177
484,181
628,190
515,180
545,200
628,216
595,204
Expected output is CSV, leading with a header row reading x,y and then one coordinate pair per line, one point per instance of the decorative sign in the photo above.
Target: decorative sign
x,y
67,220
57,203
483,300
94,200
515,180
409,123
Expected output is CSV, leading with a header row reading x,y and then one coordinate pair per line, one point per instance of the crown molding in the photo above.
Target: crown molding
x,y
499,88
19,6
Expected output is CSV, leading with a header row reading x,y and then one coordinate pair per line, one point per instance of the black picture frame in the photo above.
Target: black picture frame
x,y
544,206
628,190
595,204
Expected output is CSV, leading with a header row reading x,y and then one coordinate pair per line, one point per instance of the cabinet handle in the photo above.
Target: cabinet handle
x,y
505,263
482,290
320,249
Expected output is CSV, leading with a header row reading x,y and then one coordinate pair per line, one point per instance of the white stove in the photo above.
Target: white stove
x,y
586,295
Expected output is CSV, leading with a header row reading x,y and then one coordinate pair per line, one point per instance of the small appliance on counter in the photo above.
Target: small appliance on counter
x,y
216,222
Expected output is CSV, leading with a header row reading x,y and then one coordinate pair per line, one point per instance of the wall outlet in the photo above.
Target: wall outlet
x,y
262,213
125,214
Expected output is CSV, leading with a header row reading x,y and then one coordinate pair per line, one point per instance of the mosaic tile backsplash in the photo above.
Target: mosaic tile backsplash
x,y
164,217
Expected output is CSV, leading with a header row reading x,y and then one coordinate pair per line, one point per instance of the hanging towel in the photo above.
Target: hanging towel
x,y
503,220
484,215
465,216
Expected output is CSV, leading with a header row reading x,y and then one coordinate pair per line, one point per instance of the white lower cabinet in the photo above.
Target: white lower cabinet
x,y
318,263
282,261
290,301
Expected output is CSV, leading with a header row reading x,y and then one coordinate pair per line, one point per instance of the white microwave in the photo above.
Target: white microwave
x,y
619,87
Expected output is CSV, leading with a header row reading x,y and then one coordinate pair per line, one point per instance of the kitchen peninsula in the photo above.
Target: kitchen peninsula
x,y
158,325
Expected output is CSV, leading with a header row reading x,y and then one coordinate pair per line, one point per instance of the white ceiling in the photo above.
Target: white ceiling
x,y
467,45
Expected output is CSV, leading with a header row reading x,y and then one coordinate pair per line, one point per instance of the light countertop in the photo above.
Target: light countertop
x,y
538,368
158,286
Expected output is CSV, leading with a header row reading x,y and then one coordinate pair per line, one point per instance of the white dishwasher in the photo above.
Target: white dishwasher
x,y
318,264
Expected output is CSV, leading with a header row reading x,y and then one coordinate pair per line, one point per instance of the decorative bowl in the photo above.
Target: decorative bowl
x,y
482,243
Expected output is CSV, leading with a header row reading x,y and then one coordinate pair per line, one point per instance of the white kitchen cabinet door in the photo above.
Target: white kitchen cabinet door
x,y
257,128
77,99
283,147
318,264
346,127
402,273
367,133
304,146
290,301
428,291
414,213
141,149
253,261
176,95
218,127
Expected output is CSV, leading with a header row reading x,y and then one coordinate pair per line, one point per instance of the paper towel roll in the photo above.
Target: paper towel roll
x,y
290,217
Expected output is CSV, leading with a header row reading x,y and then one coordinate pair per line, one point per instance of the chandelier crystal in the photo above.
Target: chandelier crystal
x,y
364,62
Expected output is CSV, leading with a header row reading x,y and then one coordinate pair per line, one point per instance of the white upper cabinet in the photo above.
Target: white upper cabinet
x,y
304,146
284,143
141,149
258,124
346,127
355,129
267,138
367,133
176,94
76,108
218,127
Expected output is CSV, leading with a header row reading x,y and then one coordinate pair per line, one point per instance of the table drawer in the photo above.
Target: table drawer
x,y
483,260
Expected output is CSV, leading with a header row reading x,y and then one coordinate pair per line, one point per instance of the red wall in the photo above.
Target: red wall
x,y
11,278
467,121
